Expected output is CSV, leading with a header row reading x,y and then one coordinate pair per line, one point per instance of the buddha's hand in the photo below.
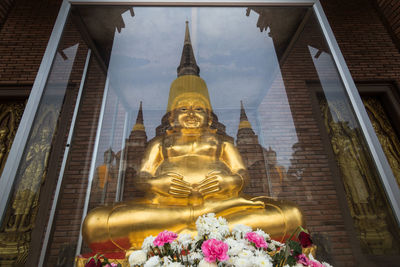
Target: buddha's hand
x,y
216,182
170,184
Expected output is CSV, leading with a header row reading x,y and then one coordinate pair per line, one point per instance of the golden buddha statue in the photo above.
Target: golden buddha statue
x,y
189,171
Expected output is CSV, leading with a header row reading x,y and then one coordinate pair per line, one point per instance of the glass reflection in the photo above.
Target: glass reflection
x,y
23,209
258,68
365,197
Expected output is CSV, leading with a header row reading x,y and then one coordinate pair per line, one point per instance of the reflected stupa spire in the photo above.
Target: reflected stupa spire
x,y
139,126
188,65
245,134
244,121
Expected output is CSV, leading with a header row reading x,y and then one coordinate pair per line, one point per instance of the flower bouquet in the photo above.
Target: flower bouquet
x,y
100,260
215,245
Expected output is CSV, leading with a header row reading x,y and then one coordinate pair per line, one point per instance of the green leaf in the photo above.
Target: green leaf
x,y
295,247
291,261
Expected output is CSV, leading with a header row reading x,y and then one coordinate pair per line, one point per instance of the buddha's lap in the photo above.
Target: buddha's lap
x,y
126,218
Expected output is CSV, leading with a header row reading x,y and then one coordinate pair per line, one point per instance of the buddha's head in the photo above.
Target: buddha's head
x,y
45,134
190,113
3,132
189,103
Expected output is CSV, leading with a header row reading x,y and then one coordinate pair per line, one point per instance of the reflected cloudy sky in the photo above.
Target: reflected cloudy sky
x,y
236,60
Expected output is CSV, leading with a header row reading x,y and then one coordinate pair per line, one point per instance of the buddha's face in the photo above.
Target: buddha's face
x,y
45,134
190,113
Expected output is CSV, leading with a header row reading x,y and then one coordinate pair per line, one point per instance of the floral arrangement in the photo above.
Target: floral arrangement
x,y
100,260
215,245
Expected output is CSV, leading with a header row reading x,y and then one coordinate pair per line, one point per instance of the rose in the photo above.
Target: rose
x,y
214,249
257,239
164,237
93,263
305,239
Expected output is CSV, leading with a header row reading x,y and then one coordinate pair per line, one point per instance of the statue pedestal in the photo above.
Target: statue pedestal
x,y
117,257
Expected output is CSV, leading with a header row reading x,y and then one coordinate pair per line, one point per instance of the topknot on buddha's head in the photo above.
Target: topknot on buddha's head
x,y
188,87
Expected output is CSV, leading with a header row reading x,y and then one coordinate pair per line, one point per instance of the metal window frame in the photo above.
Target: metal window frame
x,y
64,162
11,166
21,137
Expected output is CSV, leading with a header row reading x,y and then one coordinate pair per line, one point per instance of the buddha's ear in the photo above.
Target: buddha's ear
x,y
210,117
171,118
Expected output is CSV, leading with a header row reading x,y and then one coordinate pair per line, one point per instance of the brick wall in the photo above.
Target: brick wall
x,y
390,10
364,41
5,7
24,37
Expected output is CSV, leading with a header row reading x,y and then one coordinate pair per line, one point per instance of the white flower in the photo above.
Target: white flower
x,y
176,246
234,246
231,261
153,262
245,254
326,264
277,243
204,263
137,257
216,234
166,260
195,256
222,221
212,227
263,234
175,264
261,262
262,253
240,230
185,240
271,246
243,262
148,243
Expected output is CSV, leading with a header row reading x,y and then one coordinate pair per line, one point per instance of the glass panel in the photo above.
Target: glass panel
x,y
365,195
193,111
67,222
25,220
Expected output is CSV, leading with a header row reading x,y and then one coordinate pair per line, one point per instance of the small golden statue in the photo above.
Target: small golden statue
x,y
189,171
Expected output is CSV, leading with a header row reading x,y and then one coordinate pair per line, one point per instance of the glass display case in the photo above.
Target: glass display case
x,y
278,113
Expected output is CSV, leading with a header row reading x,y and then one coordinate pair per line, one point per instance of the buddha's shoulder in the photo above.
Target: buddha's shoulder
x,y
155,141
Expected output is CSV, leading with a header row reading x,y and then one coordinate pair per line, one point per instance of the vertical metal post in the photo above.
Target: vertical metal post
x,y
64,162
122,163
93,163
108,164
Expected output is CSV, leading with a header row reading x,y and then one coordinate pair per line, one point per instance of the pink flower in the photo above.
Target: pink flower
x,y
302,259
257,239
164,237
214,249
315,264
